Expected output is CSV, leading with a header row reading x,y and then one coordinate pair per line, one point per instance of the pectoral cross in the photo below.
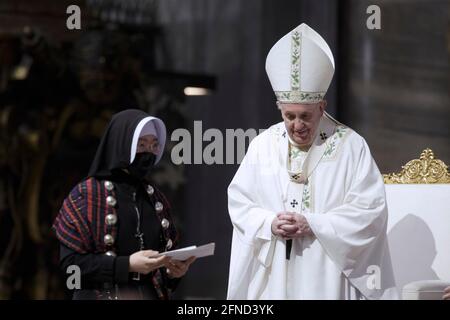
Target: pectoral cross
x,y
140,236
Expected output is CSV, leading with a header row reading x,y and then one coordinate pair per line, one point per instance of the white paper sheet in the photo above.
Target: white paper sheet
x,y
192,251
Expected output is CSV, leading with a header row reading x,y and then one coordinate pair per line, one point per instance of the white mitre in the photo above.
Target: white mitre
x,y
300,66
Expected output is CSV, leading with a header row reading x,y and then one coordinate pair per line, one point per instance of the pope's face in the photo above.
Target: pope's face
x,y
302,120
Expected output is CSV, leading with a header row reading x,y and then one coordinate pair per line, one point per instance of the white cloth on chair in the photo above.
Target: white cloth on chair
x,y
425,290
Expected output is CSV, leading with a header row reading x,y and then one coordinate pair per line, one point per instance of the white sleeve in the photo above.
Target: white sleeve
x,y
250,220
354,233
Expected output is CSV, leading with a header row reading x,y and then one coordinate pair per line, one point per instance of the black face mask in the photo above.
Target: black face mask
x,y
142,165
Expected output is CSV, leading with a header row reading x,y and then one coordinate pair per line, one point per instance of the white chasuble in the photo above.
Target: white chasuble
x,y
337,186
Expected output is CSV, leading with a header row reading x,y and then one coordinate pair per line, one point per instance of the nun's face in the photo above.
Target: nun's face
x,y
148,143
302,120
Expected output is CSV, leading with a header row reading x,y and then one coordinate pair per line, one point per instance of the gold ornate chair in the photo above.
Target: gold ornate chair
x,y
418,199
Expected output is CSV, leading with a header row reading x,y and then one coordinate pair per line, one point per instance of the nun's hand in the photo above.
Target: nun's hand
x,y
177,269
145,261
446,293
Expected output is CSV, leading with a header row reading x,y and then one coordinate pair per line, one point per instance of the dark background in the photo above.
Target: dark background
x,y
391,86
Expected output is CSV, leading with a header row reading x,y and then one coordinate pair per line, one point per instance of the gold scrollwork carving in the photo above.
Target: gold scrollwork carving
x,y
427,169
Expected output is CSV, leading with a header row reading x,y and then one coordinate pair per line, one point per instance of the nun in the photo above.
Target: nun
x,y
115,224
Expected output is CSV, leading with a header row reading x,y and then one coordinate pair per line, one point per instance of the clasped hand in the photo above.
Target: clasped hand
x,y
290,225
